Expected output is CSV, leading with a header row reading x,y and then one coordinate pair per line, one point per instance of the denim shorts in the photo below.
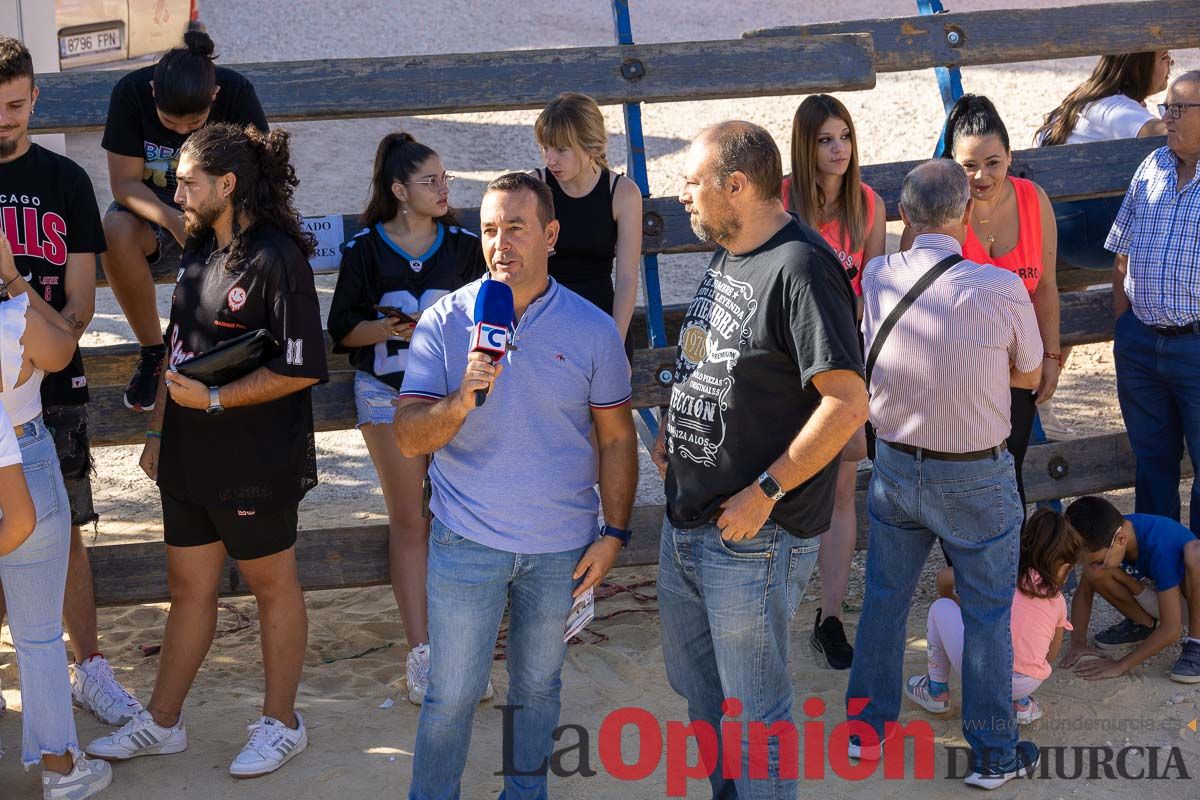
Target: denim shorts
x,y
373,400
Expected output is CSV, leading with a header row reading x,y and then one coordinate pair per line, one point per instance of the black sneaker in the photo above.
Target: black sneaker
x,y
1125,633
829,639
142,390
1187,668
1025,762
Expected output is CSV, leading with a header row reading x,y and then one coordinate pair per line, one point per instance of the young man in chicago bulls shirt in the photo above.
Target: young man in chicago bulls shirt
x,y
233,461
48,213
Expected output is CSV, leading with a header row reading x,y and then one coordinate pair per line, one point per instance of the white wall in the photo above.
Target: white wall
x,y
32,21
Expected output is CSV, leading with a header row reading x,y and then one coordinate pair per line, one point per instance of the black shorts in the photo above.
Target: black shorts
x,y
69,427
247,533
168,250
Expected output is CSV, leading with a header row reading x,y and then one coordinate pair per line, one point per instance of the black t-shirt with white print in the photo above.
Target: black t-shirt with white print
x,y
261,456
48,211
761,325
134,129
376,271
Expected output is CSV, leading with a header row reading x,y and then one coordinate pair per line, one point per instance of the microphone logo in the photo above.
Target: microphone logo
x,y
491,339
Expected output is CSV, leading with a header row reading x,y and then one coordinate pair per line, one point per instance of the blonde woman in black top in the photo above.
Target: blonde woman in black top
x,y
599,212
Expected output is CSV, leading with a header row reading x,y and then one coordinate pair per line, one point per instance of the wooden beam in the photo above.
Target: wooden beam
x,y
335,558
352,88
110,423
1068,172
341,558
1012,35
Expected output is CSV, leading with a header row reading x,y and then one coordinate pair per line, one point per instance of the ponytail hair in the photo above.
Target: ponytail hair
x,y
397,159
1047,542
185,78
266,179
973,115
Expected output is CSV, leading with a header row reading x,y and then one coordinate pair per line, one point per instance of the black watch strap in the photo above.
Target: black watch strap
x,y
620,534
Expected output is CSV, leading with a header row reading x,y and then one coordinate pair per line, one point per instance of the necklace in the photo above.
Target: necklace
x,y
981,221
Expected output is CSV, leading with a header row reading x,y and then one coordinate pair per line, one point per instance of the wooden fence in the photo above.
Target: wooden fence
x,y
796,60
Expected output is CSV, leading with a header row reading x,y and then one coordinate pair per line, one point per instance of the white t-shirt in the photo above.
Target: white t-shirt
x,y
10,451
1112,117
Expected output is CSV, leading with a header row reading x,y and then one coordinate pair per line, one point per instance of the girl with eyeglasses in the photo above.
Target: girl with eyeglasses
x,y
409,254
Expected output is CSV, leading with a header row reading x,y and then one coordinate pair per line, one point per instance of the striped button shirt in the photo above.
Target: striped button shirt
x,y
1158,228
941,381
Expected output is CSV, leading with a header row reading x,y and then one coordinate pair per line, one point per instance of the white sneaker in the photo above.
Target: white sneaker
x,y
417,667
917,690
141,736
88,777
272,744
94,688
1055,429
1027,710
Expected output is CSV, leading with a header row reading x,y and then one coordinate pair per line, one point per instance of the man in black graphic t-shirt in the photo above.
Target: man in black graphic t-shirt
x,y
150,115
768,389
233,461
48,214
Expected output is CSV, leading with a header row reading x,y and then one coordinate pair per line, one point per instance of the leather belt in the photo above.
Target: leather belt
x,y
1178,330
937,455
19,430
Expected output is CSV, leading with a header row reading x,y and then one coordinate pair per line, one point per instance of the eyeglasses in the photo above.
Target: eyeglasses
x,y
1176,109
436,180
1104,561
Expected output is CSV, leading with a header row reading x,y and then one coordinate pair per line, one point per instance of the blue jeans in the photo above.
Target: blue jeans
x,y
725,608
34,577
468,587
972,507
1158,386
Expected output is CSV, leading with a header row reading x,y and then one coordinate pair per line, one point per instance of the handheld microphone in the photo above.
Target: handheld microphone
x,y
493,315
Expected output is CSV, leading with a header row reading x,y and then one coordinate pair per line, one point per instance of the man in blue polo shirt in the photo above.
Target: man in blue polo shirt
x,y
515,511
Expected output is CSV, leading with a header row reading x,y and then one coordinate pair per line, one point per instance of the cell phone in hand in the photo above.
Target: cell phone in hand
x,y
394,313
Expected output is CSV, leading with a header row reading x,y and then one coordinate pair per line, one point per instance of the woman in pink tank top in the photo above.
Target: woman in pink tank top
x,y
826,192
1012,226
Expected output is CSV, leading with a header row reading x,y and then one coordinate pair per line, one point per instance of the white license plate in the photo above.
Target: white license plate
x,y
85,44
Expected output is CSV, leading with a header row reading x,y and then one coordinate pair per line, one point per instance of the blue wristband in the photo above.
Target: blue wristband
x,y
620,534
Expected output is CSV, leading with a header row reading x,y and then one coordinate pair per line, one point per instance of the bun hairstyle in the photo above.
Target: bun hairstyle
x,y
397,158
185,78
266,180
972,115
1047,542
573,120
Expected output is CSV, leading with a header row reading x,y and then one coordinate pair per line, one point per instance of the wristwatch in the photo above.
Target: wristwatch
x,y
214,400
620,534
770,487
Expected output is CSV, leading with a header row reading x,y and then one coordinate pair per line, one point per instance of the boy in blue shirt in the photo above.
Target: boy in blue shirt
x,y
1148,568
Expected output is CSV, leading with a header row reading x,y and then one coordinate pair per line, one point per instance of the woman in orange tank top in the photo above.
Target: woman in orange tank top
x,y
826,192
1012,226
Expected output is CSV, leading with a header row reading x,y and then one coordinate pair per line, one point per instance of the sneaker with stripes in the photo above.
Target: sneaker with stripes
x,y
141,736
272,744
88,777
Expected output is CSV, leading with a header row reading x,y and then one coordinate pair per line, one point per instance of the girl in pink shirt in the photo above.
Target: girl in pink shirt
x,y
1039,617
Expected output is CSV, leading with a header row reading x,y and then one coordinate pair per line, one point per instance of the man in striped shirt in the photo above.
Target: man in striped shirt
x,y
1156,299
940,408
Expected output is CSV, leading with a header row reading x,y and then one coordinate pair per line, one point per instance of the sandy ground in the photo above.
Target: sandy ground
x,y
359,747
